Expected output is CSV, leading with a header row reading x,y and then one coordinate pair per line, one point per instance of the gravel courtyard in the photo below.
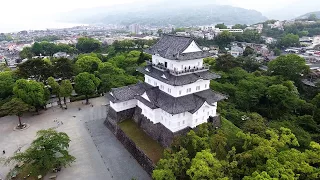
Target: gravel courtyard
x,y
99,155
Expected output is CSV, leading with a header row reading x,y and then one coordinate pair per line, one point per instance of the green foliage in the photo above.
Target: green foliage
x,y
221,26
66,88
87,64
289,40
226,62
303,136
48,38
63,68
254,124
224,39
206,166
26,53
86,84
30,92
7,81
239,26
312,17
37,69
248,51
14,107
88,45
289,66
48,151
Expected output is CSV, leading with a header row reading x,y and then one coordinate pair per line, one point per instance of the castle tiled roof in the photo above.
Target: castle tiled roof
x,y
172,47
177,80
159,99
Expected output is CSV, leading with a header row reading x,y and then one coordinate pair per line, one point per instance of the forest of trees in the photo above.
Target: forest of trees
x,y
270,126
33,83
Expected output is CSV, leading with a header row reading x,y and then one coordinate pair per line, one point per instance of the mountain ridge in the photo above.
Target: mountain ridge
x,y
161,14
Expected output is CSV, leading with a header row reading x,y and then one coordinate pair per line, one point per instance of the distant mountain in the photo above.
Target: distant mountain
x,y
293,9
305,16
178,13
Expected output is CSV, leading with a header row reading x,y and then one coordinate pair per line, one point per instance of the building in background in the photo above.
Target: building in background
x,y
134,28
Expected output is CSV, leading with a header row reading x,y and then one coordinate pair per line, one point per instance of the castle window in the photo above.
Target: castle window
x,y
198,88
183,122
161,87
149,81
125,103
180,92
155,84
205,86
188,90
169,90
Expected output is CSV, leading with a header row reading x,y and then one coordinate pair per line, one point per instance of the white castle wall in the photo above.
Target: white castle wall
x,y
178,65
123,105
177,91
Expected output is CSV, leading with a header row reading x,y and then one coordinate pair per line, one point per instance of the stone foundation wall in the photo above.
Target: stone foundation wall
x,y
122,115
157,131
135,151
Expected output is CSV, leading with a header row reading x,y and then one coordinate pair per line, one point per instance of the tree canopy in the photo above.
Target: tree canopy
x,y
48,151
30,92
88,45
86,84
291,66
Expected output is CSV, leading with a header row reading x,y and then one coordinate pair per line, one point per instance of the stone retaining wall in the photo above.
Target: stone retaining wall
x,y
135,151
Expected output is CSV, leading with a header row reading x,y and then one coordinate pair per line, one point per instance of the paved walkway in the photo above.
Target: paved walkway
x,y
90,163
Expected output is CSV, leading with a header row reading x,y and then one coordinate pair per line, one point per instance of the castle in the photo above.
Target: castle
x,y
175,95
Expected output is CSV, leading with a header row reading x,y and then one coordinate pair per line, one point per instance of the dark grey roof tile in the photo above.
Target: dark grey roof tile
x,y
177,80
172,47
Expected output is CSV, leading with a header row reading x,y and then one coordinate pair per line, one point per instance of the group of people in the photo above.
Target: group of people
x,y
59,123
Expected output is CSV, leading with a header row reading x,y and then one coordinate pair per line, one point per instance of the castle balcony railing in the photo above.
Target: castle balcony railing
x,y
194,69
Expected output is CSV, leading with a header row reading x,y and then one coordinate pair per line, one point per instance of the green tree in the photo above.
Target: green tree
x,y
15,107
66,90
206,166
36,49
6,84
87,64
226,62
224,39
221,26
254,124
30,92
56,89
291,67
26,53
312,17
86,84
63,68
277,51
248,51
88,45
37,69
239,26
289,40
174,163
48,151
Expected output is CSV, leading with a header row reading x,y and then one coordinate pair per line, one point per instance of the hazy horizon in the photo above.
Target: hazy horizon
x,y
37,14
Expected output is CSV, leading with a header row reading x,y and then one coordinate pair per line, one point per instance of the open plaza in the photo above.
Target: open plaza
x,y
99,155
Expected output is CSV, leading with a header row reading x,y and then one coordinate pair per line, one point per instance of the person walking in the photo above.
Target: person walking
x,y
4,152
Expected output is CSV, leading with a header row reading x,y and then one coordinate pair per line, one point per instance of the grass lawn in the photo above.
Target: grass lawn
x,y
149,146
230,131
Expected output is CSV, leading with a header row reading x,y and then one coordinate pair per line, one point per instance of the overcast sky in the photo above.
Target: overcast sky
x,y
32,13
